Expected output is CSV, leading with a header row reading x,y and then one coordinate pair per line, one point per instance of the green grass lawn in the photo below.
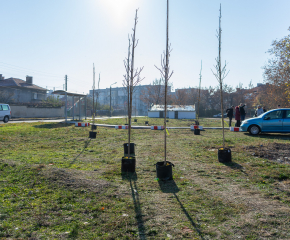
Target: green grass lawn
x,y
55,183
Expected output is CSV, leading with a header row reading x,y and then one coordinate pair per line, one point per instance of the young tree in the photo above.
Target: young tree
x,y
221,72
132,77
199,91
166,75
93,94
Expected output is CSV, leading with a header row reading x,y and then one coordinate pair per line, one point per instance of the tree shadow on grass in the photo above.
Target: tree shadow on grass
x,y
168,186
234,165
132,178
86,145
53,125
188,216
171,187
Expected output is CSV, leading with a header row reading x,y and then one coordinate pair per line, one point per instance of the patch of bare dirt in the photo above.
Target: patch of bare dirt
x,y
75,179
277,152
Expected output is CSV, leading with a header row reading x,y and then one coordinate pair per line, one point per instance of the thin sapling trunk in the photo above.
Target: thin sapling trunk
x,y
199,92
132,78
164,71
221,73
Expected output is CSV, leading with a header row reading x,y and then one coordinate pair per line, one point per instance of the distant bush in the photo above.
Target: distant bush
x,y
50,102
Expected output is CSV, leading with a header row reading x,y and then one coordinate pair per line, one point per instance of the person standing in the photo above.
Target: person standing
x,y
259,111
230,114
264,109
242,111
238,117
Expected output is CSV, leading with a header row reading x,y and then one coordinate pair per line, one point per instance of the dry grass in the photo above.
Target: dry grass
x,y
83,194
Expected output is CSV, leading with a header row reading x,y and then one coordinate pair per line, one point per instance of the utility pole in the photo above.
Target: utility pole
x,y
98,94
111,98
65,83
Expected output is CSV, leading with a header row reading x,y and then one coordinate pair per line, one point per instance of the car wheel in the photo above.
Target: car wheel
x,y
5,119
254,130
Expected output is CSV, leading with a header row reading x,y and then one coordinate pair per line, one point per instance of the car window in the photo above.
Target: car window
x,y
287,113
273,115
5,107
0,107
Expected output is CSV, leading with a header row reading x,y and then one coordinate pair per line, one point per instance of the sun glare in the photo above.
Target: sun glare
x,y
118,10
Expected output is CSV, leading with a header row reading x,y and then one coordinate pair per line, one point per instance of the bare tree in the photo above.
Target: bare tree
x,y
221,72
93,94
6,96
199,91
132,77
166,75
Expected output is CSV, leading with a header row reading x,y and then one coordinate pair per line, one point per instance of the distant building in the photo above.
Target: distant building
x,y
22,91
173,111
119,99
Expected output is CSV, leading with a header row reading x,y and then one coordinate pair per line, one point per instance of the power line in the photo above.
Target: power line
x,y
27,69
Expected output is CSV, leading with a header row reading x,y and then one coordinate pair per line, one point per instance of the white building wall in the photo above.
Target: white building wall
x,y
171,114
156,114
153,114
186,115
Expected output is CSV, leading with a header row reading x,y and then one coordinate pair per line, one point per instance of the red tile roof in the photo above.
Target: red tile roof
x,y
16,82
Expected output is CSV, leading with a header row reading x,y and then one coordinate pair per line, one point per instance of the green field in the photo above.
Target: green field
x,y
56,183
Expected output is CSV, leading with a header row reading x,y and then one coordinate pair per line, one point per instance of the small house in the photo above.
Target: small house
x,y
173,111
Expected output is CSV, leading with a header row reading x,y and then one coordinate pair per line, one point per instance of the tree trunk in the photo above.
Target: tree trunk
x,y
166,81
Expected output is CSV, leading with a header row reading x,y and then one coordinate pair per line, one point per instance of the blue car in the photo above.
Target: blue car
x,y
273,121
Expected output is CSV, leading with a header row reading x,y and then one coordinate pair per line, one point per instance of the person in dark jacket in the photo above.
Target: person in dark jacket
x,y
230,114
238,117
264,109
242,111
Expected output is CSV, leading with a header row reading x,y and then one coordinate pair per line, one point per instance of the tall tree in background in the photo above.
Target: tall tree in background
x,y
277,73
181,97
153,93
6,96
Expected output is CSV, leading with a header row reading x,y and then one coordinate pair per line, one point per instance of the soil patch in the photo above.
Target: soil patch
x,y
75,179
277,152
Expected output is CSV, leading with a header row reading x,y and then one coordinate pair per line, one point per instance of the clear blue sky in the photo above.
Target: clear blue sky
x,y
48,39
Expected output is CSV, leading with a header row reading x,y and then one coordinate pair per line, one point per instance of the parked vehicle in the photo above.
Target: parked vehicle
x,y
5,112
220,115
273,121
